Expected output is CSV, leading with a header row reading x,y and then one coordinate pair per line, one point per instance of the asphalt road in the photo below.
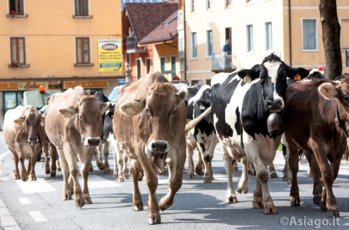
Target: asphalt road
x,y
36,205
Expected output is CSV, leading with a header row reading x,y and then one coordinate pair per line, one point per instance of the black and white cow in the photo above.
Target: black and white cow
x,y
202,136
108,139
241,106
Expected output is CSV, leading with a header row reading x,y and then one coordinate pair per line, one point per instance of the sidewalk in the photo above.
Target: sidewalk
x,y
7,221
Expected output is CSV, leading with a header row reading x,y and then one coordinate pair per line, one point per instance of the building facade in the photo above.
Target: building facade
x,y
254,29
58,44
151,45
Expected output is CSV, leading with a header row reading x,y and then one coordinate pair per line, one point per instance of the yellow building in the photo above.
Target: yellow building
x,y
254,29
58,44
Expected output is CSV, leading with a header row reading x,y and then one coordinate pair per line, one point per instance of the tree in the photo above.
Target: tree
x,y
331,38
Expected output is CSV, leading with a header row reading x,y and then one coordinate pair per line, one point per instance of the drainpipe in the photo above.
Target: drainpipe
x,y
185,41
290,31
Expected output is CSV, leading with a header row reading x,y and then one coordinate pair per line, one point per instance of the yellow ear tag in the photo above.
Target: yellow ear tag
x,y
297,77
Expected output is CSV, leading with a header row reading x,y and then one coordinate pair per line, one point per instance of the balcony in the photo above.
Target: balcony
x,y
132,46
222,63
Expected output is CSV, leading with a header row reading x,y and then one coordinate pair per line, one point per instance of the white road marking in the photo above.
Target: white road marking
x,y
99,182
24,200
38,186
37,216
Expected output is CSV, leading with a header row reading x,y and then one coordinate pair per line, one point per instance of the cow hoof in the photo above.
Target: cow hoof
x,y
273,175
154,220
231,200
199,172
47,171
17,177
242,189
107,170
33,178
88,200
138,207
79,203
334,213
53,174
316,200
270,210
126,176
191,175
121,179
115,176
295,201
24,178
208,179
101,166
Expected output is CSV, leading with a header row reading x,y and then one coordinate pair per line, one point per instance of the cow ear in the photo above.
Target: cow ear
x,y
297,73
248,75
19,120
327,90
68,112
104,106
181,95
132,108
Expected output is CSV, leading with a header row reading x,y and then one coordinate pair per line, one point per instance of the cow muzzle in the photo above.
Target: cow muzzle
x,y
33,140
275,105
157,148
92,141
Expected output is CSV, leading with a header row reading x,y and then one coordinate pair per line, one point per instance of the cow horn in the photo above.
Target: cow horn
x,y
195,121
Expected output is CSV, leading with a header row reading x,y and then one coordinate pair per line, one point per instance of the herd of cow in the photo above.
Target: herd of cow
x,y
249,112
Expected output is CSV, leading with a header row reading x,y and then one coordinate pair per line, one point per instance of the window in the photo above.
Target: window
x,y
81,7
17,51
227,3
194,48
209,43
173,66
16,7
249,38
192,5
268,36
139,68
309,34
163,64
82,50
12,100
148,65
208,4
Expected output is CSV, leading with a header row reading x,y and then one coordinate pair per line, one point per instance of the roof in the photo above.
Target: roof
x,y
166,31
146,18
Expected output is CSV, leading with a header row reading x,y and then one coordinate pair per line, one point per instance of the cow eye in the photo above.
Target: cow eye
x,y
346,98
80,117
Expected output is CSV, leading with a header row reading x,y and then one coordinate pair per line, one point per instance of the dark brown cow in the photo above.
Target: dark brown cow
x,y
320,108
149,122
74,126
22,126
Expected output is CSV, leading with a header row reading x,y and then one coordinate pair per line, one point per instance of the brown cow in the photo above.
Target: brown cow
x,y
22,126
320,108
149,122
74,126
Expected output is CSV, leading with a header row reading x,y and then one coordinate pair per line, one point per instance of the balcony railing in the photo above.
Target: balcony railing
x,y
132,46
222,63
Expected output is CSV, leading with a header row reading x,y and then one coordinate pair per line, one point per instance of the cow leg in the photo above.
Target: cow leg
x,y
53,160
23,172
45,150
67,191
124,166
272,171
199,165
31,168
328,201
137,197
106,154
152,184
98,154
243,181
176,166
293,161
189,151
208,175
74,173
118,161
229,168
15,160
85,171
316,174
